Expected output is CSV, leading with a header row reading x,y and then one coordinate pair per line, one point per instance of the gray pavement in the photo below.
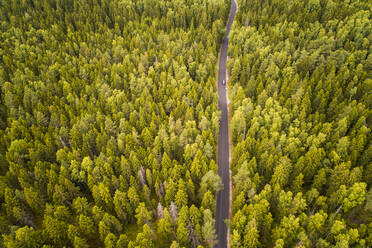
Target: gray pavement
x,y
222,204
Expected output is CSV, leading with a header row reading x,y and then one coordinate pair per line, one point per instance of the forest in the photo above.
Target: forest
x,y
109,122
301,92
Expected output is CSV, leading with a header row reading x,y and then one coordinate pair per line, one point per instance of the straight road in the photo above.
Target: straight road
x,y
223,197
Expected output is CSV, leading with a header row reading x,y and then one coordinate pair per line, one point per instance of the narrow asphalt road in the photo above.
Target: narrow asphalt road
x,y
222,204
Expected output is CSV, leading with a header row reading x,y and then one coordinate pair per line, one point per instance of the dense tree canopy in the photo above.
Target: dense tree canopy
x,y
108,122
301,83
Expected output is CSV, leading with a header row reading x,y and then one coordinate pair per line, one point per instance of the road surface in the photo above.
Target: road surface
x,y
223,197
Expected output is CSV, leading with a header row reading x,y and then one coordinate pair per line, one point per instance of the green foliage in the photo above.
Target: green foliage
x,y
108,109
301,116
208,231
